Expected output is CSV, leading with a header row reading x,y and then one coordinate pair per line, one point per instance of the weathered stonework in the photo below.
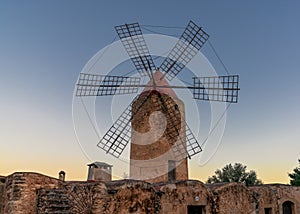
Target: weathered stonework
x,y
267,198
157,139
20,191
36,193
175,197
99,171
279,197
130,196
235,197
2,193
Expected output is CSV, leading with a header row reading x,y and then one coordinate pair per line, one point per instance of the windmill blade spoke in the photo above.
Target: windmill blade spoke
x,y
134,43
118,136
188,45
192,145
176,129
219,88
101,85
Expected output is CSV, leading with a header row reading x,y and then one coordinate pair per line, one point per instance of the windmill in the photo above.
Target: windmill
x,y
165,157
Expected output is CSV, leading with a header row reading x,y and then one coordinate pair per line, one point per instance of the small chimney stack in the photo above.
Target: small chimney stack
x,y
62,175
99,171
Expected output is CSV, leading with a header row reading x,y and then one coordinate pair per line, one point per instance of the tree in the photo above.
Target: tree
x,y
235,173
295,176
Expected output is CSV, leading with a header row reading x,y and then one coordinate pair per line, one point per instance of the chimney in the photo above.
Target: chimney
x,y
61,175
99,171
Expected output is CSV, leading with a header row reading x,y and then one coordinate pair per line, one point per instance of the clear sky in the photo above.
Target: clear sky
x,y
45,44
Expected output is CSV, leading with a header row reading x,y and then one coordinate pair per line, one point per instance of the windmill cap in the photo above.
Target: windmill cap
x,y
160,81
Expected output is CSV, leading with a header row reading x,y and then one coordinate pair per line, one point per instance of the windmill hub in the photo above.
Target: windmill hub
x,y
160,84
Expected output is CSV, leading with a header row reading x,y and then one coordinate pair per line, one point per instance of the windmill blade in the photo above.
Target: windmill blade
x,y
188,45
192,145
186,144
219,88
100,85
134,43
175,128
118,136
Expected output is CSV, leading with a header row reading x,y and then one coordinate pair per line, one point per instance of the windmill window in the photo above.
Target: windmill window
x,y
176,107
171,170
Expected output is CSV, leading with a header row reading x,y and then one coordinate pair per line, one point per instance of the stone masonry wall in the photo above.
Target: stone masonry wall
x,y
72,197
157,137
234,198
127,196
286,193
21,188
97,197
274,195
35,193
177,196
266,198
2,193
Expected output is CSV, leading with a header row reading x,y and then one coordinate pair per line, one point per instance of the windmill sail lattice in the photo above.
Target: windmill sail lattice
x,y
186,144
100,85
188,45
134,43
220,88
118,136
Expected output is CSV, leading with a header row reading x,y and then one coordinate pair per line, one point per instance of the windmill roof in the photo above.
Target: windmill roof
x,y
160,82
99,164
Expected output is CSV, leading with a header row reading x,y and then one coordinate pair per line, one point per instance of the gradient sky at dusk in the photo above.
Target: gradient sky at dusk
x,y
45,44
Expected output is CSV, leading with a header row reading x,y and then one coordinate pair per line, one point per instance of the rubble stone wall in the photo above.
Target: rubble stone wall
x,y
177,196
266,198
2,198
131,199
287,193
35,193
234,198
21,188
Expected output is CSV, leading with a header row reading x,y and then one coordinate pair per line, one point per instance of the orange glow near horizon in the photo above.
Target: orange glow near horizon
x,y
77,170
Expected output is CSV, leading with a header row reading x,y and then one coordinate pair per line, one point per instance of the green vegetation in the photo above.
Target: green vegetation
x,y
235,173
295,176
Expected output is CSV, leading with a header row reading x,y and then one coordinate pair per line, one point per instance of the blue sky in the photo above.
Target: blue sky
x,y
45,44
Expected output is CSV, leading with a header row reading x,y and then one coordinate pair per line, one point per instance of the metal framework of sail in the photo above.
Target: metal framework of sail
x,y
118,136
186,144
188,45
134,43
219,88
101,85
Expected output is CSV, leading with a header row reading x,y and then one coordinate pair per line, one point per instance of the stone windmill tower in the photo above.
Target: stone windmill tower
x,y
153,135
154,122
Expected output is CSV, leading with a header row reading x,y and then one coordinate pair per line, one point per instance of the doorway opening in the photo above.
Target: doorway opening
x,y
288,207
268,210
195,209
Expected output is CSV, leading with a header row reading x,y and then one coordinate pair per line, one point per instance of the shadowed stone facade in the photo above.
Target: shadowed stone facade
x,y
235,197
154,142
20,193
158,145
25,193
99,171
280,198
